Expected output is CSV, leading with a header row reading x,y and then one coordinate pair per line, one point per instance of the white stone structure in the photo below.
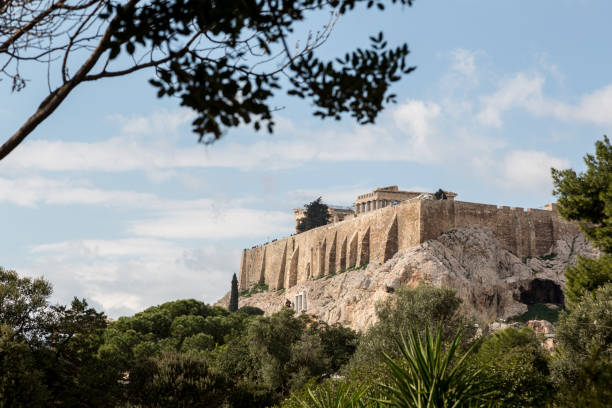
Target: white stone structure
x,y
299,304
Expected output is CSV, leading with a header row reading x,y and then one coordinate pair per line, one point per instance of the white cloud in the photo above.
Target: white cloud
x,y
416,119
213,223
596,107
119,301
159,122
463,62
525,91
127,275
33,191
404,138
529,170
106,248
521,90
339,195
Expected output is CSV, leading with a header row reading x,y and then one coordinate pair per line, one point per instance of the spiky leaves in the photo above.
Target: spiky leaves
x,y
427,375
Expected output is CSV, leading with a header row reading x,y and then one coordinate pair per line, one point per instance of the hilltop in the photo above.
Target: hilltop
x,y
492,281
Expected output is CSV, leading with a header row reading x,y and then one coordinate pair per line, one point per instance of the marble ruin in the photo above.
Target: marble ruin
x,y
386,196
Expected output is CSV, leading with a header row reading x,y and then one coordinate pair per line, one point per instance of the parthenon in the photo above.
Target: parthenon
x,y
386,196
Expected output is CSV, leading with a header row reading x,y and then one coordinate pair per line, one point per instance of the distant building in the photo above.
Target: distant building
x,y
387,196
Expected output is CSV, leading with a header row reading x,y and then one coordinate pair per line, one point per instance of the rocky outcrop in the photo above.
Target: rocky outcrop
x,y
543,327
493,282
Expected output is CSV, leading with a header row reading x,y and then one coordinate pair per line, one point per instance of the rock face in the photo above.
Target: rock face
x,y
493,282
543,327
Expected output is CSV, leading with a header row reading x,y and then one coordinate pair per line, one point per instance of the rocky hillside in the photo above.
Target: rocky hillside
x,y
493,282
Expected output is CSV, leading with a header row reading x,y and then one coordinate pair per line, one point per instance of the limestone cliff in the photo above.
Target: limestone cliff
x,y
493,282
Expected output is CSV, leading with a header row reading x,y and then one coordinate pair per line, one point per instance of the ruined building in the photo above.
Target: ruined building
x,y
388,220
336,214
388,196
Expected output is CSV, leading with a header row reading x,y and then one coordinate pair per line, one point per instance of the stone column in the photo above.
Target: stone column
x,y
369,206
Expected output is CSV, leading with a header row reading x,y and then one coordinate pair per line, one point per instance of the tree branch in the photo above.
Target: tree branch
x,y
53,100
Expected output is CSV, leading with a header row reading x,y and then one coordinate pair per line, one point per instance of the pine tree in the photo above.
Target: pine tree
x,y
316,215
233,303
587,197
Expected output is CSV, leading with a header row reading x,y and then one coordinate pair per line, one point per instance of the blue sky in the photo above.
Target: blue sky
x,y
113,200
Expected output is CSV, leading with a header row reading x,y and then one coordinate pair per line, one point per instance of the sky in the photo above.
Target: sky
x,y
113,200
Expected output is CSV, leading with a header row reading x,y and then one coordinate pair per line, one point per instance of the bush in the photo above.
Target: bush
x,y
411,309
582,366
177,380
517,368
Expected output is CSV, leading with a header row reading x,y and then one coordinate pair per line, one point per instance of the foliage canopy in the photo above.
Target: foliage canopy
x,y
223,59
587,197
316,215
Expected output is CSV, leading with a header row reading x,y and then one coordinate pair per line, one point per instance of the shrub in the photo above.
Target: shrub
x,y
582,366
517,368
411,309
177,380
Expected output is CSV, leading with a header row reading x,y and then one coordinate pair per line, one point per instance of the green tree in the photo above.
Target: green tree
x,y
411,309
339,342
582,367
517,368
223,59
21,380
587,197
55,346
316,215
271,341
177,380
233,302
583,364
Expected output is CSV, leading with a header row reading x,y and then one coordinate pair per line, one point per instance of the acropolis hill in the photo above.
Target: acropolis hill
x,y
389,220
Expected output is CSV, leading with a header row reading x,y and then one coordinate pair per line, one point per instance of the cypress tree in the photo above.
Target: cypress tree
x,y
233,303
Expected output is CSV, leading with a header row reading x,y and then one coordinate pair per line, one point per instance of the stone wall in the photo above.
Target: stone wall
x,y
378,235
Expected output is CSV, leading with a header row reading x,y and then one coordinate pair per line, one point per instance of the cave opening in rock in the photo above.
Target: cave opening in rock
x,y
542,291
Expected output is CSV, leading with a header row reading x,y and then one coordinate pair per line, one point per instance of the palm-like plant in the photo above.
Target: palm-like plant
x,y
429,377
342,395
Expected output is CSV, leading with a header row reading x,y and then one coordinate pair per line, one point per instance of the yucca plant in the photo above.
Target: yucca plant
x,y
427,376
341,395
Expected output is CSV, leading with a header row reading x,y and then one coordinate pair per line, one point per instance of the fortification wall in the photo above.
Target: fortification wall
x,y
526,233
379,234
